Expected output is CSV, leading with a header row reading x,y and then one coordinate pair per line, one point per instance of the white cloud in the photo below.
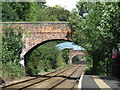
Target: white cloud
x,y
67,4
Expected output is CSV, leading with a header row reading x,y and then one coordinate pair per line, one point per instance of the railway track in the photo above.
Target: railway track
x,y
71,82
64,80
52,79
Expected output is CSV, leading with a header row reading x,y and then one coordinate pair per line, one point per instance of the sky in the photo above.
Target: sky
x,y
67,4
69,45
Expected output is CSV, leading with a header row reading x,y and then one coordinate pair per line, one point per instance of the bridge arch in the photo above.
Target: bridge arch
x,y
74,53
41,43
38,33
35,47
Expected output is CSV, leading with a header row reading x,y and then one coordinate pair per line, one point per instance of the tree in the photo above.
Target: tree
x,y
33,11
8,14
59,60
93,30
43,58
21,11
65,55
56,13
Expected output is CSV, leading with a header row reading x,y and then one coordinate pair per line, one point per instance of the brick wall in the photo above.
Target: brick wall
x,y
38,32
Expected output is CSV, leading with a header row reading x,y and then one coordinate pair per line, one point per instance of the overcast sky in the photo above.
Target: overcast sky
x,y
67,4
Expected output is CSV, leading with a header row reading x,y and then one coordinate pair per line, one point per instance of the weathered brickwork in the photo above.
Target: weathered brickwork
x,y
38,32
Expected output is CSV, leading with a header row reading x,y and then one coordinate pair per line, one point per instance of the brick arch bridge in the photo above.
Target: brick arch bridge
x,y
74,53
36,33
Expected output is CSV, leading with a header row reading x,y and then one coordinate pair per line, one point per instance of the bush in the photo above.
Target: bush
x,y
90,71
11,50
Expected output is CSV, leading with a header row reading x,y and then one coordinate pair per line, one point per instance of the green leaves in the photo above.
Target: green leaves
x,y
56,13
11,50
99,30
46,57
110,21
32,11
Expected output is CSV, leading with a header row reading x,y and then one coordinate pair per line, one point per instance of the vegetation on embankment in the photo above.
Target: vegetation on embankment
x,y
11,49
96,28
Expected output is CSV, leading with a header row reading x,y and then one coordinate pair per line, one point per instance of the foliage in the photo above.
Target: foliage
x,y
65,55
75,60
44,58
56,13
96,29
12,69
20,11
32,11
11,50
59,61
8,14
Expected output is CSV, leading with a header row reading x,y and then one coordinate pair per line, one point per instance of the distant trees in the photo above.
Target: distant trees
x,y
33,11
15,11
65,55
45,58
56,13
